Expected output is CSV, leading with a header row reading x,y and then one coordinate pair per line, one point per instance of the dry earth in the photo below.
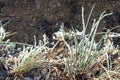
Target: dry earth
x,y
36,17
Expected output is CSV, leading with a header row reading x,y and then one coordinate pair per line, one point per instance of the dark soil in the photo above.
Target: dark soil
x,y
36,17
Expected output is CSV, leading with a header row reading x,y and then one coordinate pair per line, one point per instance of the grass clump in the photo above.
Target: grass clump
x,y
84,51
28,58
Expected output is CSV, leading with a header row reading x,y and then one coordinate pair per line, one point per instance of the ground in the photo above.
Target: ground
x,y
29,18
36,17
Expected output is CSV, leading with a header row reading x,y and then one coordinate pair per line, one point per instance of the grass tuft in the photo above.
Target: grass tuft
x,y
83,51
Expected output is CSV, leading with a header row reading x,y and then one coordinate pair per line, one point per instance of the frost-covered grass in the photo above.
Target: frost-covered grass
x,y
84,52
85,59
